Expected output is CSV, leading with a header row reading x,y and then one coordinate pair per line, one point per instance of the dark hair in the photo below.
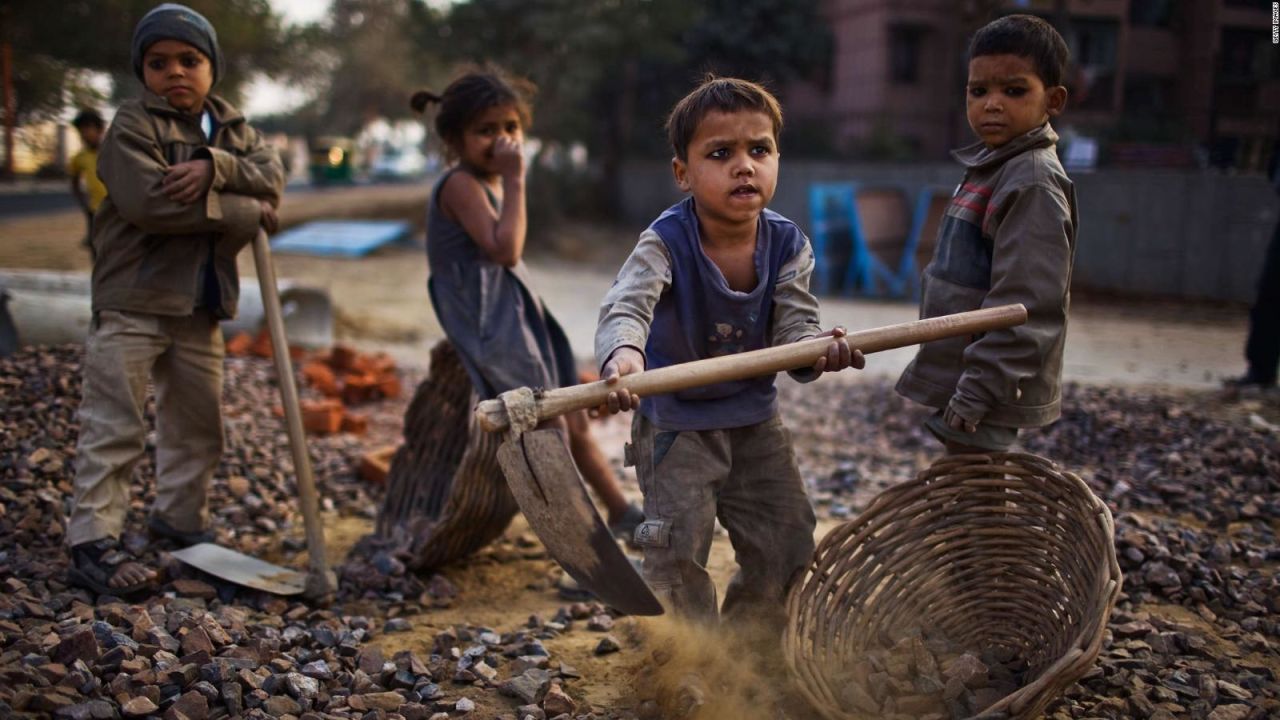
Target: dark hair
x,y
471,94
86,118
722,94
1025,36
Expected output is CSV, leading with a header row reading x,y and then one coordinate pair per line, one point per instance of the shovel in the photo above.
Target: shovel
x,y
239,568
545,481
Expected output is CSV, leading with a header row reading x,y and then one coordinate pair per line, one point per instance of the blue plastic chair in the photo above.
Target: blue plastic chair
x,y
833,209
831,214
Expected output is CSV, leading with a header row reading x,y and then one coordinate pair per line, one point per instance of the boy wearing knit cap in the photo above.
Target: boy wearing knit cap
x,y
189,183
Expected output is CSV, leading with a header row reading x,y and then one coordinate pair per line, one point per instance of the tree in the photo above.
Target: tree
x,y
52,46
369,62
571,49
609,70
770,41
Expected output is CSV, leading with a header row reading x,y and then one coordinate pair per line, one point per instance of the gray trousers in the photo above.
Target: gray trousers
x,y
748,478
184,357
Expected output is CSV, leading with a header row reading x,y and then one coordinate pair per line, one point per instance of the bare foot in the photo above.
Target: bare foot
x,y
101,567
131,573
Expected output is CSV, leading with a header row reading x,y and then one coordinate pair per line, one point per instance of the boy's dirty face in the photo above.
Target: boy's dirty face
x,y
1006,98
479,137
90,135
732,166
179,73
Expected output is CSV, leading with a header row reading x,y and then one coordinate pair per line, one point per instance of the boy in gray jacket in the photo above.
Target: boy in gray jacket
x,y
189,184
1008,236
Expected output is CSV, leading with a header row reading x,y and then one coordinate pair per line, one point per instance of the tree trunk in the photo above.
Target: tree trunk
x,y
10,106
618,140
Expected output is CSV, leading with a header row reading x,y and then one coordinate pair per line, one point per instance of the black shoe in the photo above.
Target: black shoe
x,y
94,564
1249,380
161,529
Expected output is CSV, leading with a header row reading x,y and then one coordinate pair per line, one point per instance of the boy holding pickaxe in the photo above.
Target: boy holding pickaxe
x,y
717,274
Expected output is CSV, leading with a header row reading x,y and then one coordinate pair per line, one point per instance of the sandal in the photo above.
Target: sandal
x,y
157,526
94,564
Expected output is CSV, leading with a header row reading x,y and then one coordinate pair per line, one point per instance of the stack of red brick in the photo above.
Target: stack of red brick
x,y
346,377
243,344
343,376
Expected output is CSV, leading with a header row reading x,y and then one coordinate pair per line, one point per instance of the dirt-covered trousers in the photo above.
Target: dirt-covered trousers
x,y
184,357
747,477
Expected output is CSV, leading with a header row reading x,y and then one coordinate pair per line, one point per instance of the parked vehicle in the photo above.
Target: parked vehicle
x,y
399,163
332,161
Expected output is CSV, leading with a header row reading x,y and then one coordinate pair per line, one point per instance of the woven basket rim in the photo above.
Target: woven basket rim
x,y
993,470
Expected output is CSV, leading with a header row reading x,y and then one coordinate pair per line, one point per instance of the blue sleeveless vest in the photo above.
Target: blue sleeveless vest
x,y
699,316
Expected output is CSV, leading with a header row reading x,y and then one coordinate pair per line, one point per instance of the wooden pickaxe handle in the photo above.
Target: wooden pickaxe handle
x,y
492,414
321,581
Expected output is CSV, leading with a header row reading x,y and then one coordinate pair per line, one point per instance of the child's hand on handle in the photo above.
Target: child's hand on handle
x,y
187,182
269,220
623,361
839,355
956,422
508,157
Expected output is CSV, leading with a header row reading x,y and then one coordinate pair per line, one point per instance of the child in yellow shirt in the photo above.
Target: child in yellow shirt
x,y
86,187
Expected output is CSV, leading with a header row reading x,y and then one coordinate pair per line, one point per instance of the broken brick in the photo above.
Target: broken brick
x,y
376,465
354,423
322,417
262,345
342,358
389,385
239,345
359,388
322,378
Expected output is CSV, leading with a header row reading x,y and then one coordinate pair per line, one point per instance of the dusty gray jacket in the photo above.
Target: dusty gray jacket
x,y
1008,236
149,249
627,309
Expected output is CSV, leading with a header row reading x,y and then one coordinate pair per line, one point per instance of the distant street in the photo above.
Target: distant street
x,y
16,204
46,196
382,297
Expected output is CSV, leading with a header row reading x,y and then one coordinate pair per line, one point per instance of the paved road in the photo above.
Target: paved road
x,y
382,298
1109,341
34,198
15,204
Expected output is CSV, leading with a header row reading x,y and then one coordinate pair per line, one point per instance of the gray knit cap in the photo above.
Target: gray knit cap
x,y
172,21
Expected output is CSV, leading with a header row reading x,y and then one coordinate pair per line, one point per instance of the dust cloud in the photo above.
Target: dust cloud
x,y
694,671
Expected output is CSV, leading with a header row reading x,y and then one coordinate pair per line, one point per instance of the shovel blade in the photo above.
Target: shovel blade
x,y
545,482
243,570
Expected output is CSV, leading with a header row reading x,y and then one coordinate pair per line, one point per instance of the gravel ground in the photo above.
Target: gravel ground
x,y
1194,485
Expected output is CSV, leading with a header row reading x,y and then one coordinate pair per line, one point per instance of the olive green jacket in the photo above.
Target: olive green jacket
x,y
150,251
1008,236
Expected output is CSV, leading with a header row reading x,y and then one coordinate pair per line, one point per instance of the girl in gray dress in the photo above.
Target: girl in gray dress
x,y
479,285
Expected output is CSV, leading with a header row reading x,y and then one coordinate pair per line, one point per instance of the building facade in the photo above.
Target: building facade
x,y
1152,82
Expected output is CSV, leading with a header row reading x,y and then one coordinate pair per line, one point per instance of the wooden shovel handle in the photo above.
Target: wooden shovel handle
x,y
492,414
320,579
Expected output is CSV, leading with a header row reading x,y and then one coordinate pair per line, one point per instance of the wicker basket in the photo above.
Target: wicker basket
x,y
446,496
993,551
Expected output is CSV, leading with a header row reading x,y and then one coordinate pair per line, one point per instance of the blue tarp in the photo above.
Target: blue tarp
x,y
345,238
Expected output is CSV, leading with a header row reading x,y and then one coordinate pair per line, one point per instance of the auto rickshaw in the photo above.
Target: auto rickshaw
x,y
332,161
